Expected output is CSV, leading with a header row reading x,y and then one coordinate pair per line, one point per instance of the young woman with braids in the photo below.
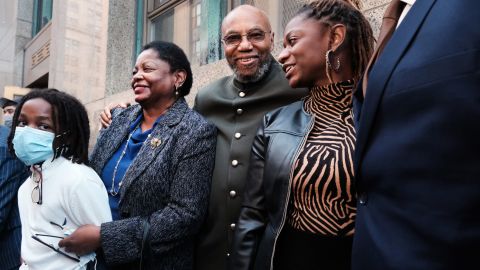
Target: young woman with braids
x,y
300,203
50,133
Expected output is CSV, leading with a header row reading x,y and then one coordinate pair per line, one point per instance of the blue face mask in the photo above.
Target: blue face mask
x,y
7,121
32,145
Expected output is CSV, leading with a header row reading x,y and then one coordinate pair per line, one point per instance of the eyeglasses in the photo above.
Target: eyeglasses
x,y
66,231
253,36
51,246
37,190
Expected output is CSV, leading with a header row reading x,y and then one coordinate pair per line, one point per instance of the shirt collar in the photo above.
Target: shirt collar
x,y
137,122
409,2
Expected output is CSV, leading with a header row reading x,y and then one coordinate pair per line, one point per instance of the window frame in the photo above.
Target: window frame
x,y
37,16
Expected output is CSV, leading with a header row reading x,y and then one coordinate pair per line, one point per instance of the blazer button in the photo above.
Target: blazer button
x,y
238,135
232,226
241,94
234,163
232,193
363,198
239,111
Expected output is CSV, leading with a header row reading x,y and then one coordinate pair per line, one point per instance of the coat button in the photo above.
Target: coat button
x,y
239,111
362,198
238,135
232,226
234,163
241,94
232,193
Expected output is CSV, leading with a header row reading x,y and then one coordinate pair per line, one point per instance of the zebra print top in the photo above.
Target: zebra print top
x,y
323,199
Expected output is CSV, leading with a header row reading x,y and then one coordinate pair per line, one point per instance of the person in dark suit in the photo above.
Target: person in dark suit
x,y
156,160
12,174
417,161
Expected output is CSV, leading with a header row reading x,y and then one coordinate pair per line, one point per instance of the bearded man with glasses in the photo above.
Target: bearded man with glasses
x,y
236,105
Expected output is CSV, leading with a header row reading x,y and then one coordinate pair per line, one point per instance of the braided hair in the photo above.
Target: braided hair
x,y
70,120
359,32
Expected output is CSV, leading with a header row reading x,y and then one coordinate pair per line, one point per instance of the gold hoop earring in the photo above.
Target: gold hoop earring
x,y
335,68
328,67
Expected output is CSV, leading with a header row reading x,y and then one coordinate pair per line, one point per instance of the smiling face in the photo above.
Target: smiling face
x,y
303,58
249,60
36,113
152,81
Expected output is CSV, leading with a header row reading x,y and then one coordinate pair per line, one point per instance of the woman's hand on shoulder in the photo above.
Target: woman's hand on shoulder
x,y
84,240
106,114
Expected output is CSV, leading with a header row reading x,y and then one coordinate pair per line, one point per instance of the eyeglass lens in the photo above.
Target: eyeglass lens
x,y
37,195
252,36
37,190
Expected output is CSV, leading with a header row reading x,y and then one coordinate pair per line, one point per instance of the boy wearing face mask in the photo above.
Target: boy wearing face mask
x,y
8,107
50,133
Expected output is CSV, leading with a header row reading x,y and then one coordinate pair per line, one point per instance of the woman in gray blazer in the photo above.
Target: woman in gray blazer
x,y
156,160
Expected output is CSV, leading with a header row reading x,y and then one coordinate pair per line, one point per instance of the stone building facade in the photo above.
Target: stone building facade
x,y
88,47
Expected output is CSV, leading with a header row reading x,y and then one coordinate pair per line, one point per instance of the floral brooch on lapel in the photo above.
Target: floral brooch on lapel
x,y
155,142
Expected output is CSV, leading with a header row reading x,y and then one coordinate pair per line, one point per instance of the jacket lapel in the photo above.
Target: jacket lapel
x,y
113,137
153,145
383,68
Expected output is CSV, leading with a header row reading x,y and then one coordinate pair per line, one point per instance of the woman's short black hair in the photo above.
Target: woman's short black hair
x,y
176,58
70,120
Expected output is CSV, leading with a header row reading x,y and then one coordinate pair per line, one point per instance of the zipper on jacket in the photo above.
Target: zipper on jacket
x,y
302,144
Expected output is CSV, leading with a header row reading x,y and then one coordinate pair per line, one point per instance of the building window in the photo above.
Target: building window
x,y
163,26
186,23
42,14
139,18
177,22
236,3
196,22
194,25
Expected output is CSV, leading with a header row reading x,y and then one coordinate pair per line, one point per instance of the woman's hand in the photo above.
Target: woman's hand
x,y
106,115
84,240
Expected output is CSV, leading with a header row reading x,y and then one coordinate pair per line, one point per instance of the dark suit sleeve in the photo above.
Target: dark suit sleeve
x,y
252,220
181,219
12,174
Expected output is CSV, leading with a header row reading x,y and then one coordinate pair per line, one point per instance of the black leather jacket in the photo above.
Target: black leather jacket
x,y
262,216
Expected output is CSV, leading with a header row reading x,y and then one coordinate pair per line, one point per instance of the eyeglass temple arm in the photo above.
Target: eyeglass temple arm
x,y
55,249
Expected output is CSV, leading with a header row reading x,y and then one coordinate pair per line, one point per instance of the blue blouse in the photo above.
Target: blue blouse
x,y
134,144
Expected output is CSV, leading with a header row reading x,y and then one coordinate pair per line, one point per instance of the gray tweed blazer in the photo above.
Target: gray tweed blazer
x,y
167,184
